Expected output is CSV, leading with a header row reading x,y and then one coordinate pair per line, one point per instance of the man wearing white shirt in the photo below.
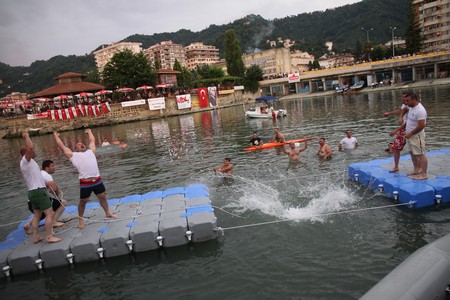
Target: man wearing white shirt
x,y
84,160
48,167
37,192
349,142
415,137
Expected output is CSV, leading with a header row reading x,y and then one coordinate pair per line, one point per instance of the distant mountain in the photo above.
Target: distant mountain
x,y
310,31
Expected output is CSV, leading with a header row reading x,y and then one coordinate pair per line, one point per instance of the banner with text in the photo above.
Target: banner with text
x,y
184,101
133,103
294,77
157,103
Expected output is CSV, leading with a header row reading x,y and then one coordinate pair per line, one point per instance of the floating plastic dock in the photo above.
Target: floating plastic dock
x,y
168,218
403,189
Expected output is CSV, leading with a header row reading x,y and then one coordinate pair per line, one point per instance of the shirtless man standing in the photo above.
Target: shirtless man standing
x,y
293,153
278,137
324,151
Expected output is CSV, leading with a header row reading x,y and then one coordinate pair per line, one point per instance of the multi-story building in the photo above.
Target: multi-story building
x,y
104,55
275,62
166,53
434,19
300,60
337,60
198,54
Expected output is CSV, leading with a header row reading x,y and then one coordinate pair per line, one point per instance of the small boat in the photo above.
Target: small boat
x,y
275,144
265,112
265,109
342,89
358,85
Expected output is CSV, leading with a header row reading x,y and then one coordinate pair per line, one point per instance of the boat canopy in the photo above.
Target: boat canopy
x,y
266,98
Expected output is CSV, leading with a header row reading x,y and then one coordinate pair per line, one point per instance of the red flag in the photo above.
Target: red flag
x,y
73,112
89,110
202,97
97,110
67,113
80,110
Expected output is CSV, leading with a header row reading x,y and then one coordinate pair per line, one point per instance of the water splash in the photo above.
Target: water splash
x,y
289,198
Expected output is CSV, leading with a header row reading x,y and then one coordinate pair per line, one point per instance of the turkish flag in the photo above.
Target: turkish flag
x,y
202,97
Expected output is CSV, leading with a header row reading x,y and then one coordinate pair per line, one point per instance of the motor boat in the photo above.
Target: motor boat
x,y
265,112
264,109
357,86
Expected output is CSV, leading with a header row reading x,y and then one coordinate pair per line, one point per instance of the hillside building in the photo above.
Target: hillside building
x,y
198,54
337,60
104,55
166,53
434,19
275,62
300,60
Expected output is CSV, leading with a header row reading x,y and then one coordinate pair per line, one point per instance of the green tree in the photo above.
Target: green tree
x,y
358,50
208,72
185,78
127,69
233,54
413,38
379,52
252,77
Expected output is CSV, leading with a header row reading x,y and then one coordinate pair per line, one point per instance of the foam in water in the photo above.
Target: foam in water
x,y
295,200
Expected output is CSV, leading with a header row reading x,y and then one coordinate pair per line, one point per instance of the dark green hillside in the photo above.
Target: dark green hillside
x,y
342,26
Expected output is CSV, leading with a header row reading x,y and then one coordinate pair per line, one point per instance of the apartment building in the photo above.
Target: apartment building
x,y
198,54
434,20
300,60
104,55
275,62
166,53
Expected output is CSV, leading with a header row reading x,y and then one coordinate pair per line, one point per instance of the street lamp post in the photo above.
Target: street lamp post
x,y
367,31
393,48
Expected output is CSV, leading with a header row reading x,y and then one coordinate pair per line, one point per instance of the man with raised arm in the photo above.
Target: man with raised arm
x,y
294,153
84,160
58,204
37,192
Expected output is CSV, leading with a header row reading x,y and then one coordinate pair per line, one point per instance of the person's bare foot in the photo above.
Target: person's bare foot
x,y
58,224
38,240
414,172
111,215
420,177
27,230
53,239
393,170
80,223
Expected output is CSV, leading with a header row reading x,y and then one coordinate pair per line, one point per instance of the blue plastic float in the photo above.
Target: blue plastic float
x,y
168,218
419,193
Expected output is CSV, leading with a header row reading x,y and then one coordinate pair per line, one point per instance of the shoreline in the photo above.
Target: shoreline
x,y
397,86
15,127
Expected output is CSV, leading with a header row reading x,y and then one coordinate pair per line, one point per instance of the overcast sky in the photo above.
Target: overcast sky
x,y
33,30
